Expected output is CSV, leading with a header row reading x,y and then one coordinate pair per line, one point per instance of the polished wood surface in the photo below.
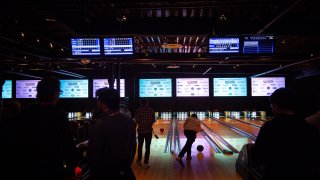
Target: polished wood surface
x,y
243,126
203,166
234,139
252,121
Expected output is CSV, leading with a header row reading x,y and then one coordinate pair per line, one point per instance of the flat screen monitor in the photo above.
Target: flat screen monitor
x,y
7,89
74,88
155,88
224,45
26,88
265,86
258,44
229,87
85,46
101,83
118,46
192,87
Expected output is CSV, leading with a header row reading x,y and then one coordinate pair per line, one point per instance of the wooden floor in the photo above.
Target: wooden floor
x,y
203,166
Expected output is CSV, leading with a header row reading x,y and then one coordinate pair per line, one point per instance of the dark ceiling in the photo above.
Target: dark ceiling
x,y
35,35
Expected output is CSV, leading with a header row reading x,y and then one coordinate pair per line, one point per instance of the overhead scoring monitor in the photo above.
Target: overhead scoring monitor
x,y
26,88
74,88
192,87
155,88
224,45
265,86
7,89
85,46
115,46
101,83
229,87
258,44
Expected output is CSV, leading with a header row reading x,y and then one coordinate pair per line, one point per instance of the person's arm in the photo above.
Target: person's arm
x,y
186,122
199,126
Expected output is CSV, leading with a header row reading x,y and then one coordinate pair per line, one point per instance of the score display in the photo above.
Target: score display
x,y
118,46
26,88
155,88
85,46
192,87
265,86
221,45
229,87
101,83
7,89
258,44
74,88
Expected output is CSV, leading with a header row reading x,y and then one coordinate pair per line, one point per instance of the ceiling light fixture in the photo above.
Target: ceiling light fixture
x,y
171,46
222,18
173,67
50,20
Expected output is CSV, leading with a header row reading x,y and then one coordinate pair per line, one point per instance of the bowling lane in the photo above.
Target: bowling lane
x,y
160,123
255,122
243,126
234,139
204,165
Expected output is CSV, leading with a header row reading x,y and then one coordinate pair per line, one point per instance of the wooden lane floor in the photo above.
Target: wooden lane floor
x,y
256,122
203,166
234,139
243,126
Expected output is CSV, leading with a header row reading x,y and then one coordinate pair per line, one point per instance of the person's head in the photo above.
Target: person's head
x,y
194,116
283,101
144,102
108,99
48,90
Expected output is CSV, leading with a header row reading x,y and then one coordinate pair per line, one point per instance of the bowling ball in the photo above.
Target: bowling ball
x,y
200,148
161,130
78,171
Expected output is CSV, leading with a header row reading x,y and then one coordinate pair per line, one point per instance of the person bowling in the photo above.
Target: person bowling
x,y
191,127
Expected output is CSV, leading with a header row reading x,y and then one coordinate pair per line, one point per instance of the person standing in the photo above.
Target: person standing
x,y
144,118
112,140
191,126
43,144
286,146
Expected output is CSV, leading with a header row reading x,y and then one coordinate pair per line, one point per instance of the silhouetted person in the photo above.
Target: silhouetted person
x,y
112,139
44,146
191,126
2,81
287,146
144,118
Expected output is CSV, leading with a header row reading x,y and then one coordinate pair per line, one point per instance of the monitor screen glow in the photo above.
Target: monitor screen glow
x,y
118,46
265,86
222,45
229,87
85,46
7,89
192,87
74,88
258,44
155,88
101,83
26,88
